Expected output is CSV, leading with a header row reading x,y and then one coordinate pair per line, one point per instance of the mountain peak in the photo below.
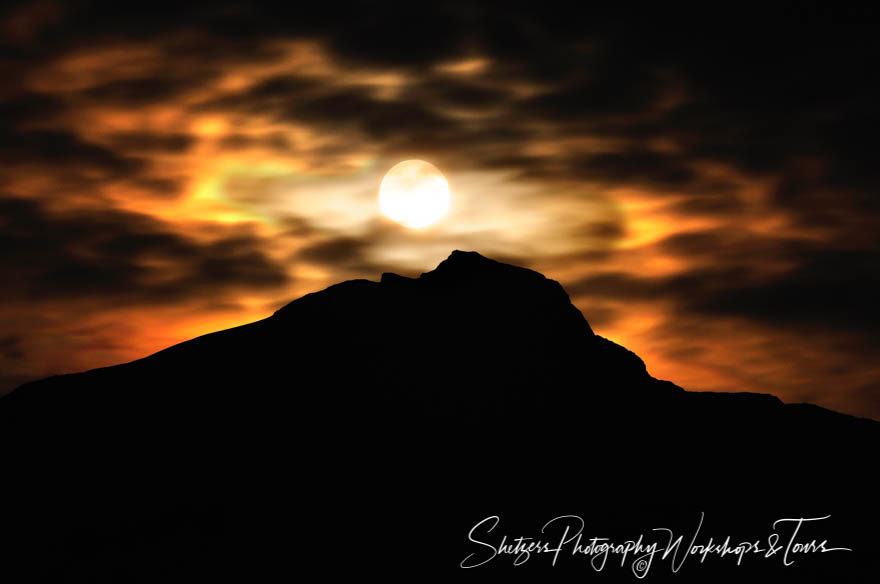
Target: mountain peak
x,y
470,264
465,266
459,257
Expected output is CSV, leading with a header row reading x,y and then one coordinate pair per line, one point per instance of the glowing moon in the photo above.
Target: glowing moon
x,y
414,193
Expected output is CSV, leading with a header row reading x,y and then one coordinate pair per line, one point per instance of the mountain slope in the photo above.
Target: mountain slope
x,y
477,385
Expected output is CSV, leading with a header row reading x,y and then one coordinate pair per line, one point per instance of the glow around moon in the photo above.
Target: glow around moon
x,y
414,193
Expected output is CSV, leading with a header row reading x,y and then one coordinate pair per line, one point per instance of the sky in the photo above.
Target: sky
x,y
705,188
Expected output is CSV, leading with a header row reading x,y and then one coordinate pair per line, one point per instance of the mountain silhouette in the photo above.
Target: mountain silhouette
x,y
388,418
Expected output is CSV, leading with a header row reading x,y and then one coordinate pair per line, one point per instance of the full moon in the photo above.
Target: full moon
x,y
414,193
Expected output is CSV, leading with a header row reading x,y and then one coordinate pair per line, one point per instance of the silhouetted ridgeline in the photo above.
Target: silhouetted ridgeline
x,y
389,417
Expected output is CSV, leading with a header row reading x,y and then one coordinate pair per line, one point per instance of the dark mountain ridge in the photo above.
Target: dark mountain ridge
x,y
475,387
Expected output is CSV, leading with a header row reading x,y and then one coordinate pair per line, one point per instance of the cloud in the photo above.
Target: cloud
x,y
152,142
143,90
332,251
827,289
65,149
10,347
809,287
122,258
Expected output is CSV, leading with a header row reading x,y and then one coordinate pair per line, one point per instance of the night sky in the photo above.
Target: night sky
x,y
704,185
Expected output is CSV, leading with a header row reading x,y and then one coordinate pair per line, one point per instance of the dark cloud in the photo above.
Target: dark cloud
x,y
610,230
27,107
162,187
736,246
652,169
823,289
269,95
610,81
150,142
78,162
61,148
144,90
830,289
25,23
335,251
352,111
456,94
11,347
124,258
722,202
689,289
357,110
393,35
348,256
274,141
